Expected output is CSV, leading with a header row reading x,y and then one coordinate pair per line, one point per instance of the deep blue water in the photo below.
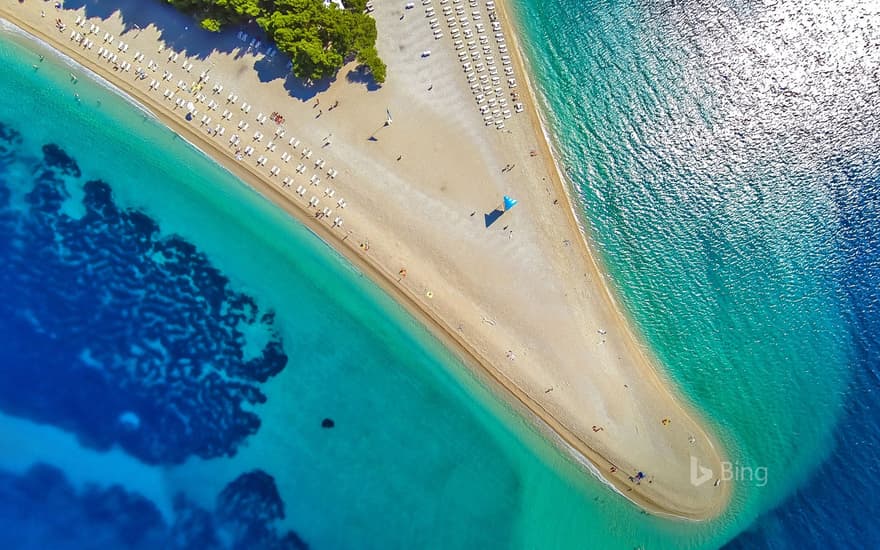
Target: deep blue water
x,y
126,339
76,293
41,509
837,506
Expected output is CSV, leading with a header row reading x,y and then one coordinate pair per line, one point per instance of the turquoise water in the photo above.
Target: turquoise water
x,y
407,437
421,453
725,157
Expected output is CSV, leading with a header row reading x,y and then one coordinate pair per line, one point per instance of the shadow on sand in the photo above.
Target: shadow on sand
x,y
182,33
359,75
493,216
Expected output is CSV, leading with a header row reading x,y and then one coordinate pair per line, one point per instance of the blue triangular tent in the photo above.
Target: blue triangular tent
x,y
509,203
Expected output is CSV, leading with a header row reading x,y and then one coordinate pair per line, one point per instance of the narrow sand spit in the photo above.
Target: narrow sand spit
x,y
522,299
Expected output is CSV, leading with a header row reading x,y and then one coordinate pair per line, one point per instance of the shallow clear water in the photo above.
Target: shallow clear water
x,y
168,331
172,344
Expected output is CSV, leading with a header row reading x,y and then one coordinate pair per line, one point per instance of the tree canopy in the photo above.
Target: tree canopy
x,y
318,38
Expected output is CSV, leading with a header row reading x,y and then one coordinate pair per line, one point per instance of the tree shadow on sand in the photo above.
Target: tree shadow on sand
x,y
269,69
299,89
182,33
360,75
177,30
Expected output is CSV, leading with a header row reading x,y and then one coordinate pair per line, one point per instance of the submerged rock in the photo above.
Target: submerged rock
x,y
244,516
55,157
130,420
152,311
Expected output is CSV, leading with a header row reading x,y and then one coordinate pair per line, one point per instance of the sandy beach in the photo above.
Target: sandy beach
x,y
522,299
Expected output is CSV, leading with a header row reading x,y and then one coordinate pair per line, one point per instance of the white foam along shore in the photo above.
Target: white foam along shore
x,y
563,350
